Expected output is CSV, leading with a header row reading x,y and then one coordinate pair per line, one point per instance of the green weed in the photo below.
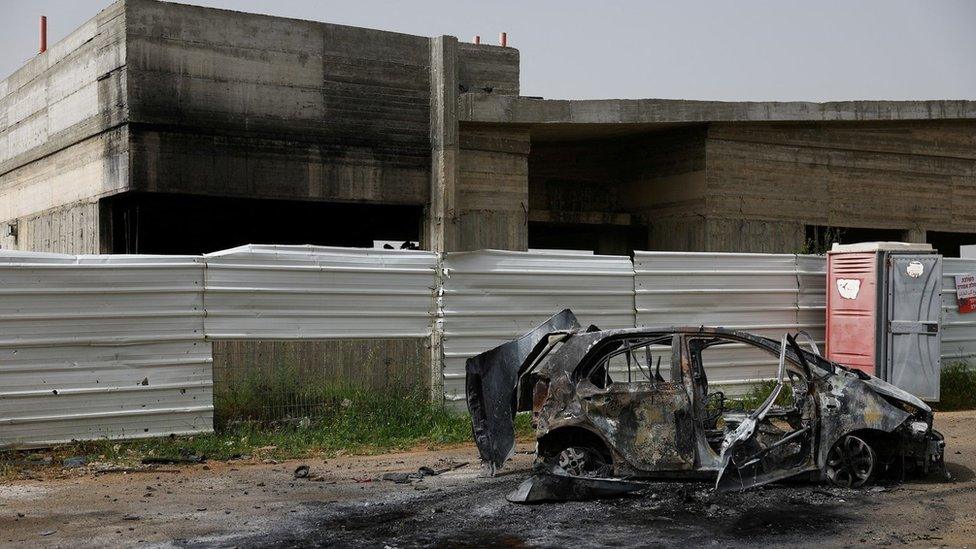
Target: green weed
x,y
958,387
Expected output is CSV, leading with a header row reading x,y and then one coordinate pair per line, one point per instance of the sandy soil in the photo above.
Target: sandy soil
x,y
345,502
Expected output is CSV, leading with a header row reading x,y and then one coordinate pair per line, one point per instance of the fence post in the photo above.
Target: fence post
x,y
437,332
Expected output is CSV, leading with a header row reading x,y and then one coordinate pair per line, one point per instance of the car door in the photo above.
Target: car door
x,y
631,399
757,452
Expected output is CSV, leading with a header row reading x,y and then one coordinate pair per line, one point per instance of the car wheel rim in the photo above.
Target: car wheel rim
x,y
581,462
851,462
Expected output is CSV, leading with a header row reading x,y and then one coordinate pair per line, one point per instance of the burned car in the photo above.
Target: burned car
x,y
637,403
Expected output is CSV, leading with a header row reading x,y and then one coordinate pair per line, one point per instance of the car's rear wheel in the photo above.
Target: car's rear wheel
x,y
582,461
851,462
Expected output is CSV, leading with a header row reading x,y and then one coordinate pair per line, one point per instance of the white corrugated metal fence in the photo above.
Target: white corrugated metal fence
x,y
101,346
493,296
958,331
316,292
117,346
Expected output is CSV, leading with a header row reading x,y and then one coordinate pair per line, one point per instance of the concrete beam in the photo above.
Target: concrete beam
x,y
482,107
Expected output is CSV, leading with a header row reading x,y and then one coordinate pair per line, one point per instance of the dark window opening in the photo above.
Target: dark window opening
x,y
819,238
147,223
599,239
948,244
640,359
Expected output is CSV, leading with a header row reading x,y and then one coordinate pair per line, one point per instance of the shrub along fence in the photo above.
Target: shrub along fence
x,y
129,346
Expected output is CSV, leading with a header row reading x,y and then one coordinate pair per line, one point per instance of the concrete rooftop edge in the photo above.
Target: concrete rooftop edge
x,y
483,107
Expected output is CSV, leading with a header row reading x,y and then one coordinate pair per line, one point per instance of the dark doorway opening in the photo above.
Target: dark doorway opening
x,y
948,244
819,238
599,239
150,223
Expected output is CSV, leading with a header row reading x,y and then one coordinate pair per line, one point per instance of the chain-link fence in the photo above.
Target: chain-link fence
x,y
291,380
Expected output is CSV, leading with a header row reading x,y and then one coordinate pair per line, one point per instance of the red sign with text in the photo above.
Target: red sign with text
x,y
966,292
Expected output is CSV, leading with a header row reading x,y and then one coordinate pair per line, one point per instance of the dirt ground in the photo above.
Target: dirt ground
x,y
345,502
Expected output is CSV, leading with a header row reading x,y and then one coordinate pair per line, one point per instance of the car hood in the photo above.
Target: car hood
x,y
886,389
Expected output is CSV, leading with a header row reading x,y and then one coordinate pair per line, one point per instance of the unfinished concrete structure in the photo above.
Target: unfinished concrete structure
x,y
166,128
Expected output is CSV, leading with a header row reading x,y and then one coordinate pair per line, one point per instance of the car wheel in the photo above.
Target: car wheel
x,y
851,462
582,461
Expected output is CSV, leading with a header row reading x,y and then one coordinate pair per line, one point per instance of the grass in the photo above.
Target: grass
x,y
958,387
757,394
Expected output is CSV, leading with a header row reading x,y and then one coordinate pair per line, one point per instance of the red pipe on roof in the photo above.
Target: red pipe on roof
x,y
43,34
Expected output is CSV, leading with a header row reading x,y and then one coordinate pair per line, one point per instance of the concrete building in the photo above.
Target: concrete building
x,y
167,128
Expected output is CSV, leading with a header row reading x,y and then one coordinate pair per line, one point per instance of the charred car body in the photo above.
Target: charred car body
x,y
636,403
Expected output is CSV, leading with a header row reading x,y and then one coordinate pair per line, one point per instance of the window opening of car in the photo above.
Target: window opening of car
x,y
719,363
632,360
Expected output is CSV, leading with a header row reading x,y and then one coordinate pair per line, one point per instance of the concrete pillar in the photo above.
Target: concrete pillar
x,y
440,223
915,234
441,220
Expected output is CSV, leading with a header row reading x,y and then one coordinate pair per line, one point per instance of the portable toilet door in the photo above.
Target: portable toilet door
x,y
853,302
911,358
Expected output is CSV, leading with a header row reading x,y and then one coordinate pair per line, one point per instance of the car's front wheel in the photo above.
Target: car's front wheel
x,y
851,462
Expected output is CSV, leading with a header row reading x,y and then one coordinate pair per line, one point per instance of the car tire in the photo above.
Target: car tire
x,y
851,462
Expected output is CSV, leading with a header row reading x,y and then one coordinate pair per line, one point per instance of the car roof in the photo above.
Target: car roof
x,y
691,330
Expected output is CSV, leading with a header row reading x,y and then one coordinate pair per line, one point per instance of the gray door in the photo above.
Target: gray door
x,y
914,336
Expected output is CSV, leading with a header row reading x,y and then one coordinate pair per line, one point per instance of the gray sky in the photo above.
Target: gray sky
x,y
743,50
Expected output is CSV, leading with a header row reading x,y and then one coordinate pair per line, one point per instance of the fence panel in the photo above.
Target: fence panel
x,y
493,296
811,273
766,294
101,346
314,292
958,330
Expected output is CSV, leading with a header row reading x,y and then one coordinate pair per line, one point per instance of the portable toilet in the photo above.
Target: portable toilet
x,y
884,301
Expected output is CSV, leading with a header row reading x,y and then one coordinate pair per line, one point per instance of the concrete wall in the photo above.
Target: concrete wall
x,y
73,229
161,97
664,177
237,104
71,92
755,187
488,69
767,182
44,198
62,139
493,188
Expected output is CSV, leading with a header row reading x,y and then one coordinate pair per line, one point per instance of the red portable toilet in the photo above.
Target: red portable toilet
x,y
883,311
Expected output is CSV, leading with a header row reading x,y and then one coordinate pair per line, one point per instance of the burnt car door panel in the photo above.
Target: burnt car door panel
x,y
773,441
624,393
490,385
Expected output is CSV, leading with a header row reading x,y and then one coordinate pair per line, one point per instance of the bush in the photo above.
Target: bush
x,y
958,387
758,394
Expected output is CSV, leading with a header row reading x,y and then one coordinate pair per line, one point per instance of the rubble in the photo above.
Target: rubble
x,y
74,462
186,460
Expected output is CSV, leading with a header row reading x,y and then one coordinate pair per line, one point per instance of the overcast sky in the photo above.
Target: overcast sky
x,y
748,50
